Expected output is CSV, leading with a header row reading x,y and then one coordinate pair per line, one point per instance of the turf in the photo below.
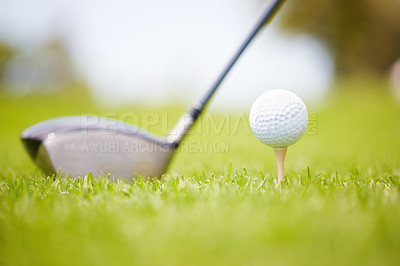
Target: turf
x,y
219,202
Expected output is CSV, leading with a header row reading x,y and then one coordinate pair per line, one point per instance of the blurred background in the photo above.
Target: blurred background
x,y
156,52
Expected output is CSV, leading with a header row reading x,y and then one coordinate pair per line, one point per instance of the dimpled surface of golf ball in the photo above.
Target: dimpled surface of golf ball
x,y
278,118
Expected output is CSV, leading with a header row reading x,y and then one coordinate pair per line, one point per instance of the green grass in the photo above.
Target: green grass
x,y
340,206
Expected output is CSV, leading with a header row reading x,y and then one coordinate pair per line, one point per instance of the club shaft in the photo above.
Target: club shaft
x,y
188,119
266,16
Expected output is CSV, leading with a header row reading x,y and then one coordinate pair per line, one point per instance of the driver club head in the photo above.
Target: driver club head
x,y
79,144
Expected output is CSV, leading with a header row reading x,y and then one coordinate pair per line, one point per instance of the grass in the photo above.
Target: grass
x,y
214,206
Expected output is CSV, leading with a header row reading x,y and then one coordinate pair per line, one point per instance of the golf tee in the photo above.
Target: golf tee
x,y
280,161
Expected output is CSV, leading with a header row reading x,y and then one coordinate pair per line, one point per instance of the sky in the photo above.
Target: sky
x,y
153,52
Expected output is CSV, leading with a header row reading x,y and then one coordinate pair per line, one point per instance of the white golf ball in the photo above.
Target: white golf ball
x,y
278,118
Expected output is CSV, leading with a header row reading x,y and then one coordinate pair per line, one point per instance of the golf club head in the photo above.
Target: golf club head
x,y
79,144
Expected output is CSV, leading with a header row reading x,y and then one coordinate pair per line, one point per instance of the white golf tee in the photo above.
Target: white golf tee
x,y
280,161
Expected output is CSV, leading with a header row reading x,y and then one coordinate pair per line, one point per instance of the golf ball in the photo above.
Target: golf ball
x,y
278,118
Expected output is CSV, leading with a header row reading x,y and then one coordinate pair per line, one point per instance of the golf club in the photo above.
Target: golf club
x,y
79,144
